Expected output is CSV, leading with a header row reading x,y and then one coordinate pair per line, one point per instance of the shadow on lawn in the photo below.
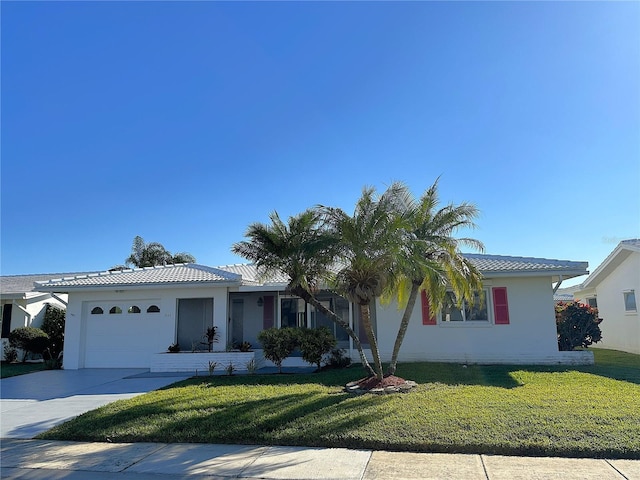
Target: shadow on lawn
x,y
282,419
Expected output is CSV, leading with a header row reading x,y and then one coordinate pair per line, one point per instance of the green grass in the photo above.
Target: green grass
x,y
13,369
565,411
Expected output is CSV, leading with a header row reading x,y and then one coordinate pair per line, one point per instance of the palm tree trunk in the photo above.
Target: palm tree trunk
x,y
404,323
373,343
307,297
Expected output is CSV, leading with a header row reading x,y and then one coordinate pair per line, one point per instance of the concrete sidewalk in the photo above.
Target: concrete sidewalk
x,y
54,460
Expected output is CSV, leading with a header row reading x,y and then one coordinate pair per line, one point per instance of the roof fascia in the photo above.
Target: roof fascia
x,y
608,265
566,274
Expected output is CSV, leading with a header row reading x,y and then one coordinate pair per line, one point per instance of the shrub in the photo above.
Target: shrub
x,y
315,343
53,325
29,339
174,348
10,353
338,359
278,344
577,324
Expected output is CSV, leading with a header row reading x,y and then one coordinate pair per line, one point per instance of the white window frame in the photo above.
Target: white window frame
x,y
470,323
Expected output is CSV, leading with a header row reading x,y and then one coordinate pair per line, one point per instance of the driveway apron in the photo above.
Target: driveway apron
x,y
33,403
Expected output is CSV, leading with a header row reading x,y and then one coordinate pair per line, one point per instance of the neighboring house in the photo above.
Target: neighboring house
x,y
21,305
125,319
613,288
565,294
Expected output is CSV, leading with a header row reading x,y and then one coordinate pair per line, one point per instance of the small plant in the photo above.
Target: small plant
x,y
52,362
245,347
212,336
338,359
578,325
10,353
174,348
252,366
315,343
29,340
278,344
230,368
212,367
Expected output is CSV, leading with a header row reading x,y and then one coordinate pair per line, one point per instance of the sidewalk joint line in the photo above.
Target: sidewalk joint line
x,y
484,467
618,471
160,447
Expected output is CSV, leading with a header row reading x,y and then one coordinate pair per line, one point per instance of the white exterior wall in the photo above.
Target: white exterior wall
x,y
159,338
620,329
529,338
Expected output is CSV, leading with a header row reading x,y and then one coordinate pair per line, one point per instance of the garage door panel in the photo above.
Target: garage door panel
x,y
122,340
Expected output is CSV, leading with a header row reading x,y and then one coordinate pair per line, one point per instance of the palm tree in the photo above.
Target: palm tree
x,y
153,254
370,244
304,250
431,259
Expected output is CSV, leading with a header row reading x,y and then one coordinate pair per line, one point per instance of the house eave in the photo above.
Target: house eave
x,y
135,286
566,274
608,265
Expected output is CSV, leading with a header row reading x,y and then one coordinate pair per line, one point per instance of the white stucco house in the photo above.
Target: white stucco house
x,y
21,305
129,318
613,288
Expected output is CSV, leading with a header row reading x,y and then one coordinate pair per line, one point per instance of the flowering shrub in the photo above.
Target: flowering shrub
x,y
577,324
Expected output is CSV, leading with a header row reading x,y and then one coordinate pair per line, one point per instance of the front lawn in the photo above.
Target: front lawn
x,y
13,369
561,411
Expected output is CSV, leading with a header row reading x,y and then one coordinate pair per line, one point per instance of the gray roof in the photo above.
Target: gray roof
x,y
632,242
248,274
183,273
251,275
497,265
489,266
21,284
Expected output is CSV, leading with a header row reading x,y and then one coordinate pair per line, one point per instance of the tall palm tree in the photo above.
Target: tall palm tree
x,y
153,254
431,259
370,243
304,250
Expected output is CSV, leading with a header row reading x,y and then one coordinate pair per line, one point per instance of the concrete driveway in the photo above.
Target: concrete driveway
x,y
33,403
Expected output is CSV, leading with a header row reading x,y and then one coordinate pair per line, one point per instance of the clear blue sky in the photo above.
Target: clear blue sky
x,y
185,122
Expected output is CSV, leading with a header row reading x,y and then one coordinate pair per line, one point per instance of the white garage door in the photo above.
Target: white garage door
x,y
122,335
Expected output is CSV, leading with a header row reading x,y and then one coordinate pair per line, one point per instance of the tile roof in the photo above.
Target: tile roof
x,y
182,273
251,276
505,264
17,284
632,242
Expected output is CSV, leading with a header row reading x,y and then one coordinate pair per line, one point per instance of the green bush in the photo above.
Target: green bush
x,y
10,353
278,344
29,339
578,325
315,343
53,325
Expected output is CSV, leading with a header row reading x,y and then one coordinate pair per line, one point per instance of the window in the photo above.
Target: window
x,y
133,309
293,312
6,319
115,310
153,309
97,311
630,301
592,302
467,312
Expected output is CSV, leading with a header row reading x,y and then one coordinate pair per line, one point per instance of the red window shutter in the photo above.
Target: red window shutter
x,y
427,318
500,305
267,312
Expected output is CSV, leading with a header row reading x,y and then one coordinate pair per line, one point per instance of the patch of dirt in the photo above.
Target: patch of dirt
x,y
369,383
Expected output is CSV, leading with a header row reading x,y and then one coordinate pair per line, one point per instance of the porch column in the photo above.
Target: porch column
x,y
221,314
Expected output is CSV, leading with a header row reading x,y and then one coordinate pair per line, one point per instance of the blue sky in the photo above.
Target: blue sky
x,y
185,122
